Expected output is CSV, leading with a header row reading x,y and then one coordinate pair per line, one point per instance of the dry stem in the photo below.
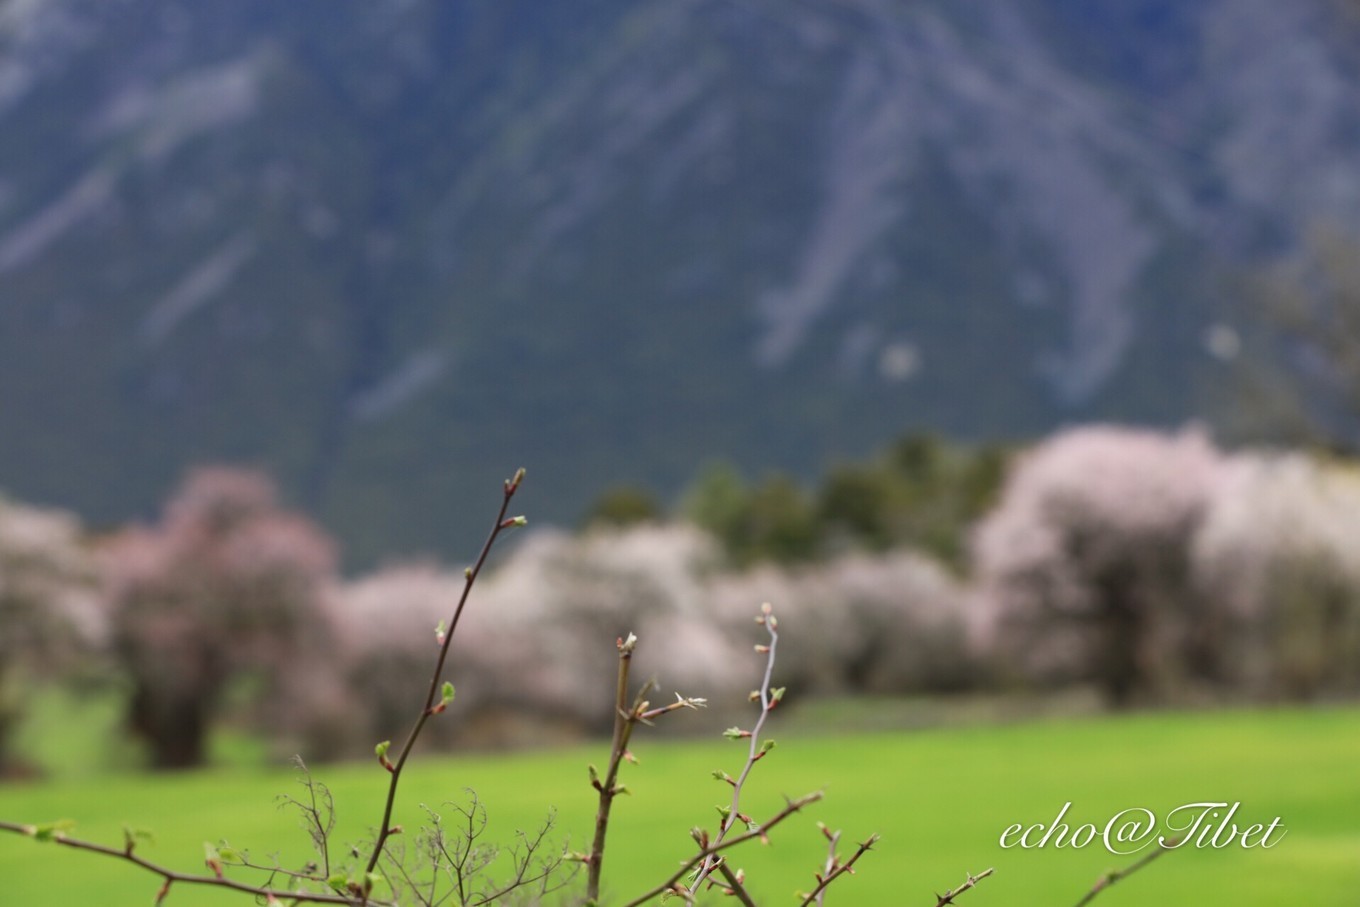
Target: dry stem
x,y
941,900
1110,878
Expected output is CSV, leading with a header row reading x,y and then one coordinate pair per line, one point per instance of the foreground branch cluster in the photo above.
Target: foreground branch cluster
x,y
447,862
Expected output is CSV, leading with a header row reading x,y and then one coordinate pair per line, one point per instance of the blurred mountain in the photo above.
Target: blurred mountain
x,y
392,250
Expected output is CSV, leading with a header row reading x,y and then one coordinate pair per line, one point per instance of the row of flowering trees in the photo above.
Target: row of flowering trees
x,y
1163,569
1154,566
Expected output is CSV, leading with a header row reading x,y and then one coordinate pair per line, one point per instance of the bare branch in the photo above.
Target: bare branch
x,y
1110,878
950,893
318,813
835,869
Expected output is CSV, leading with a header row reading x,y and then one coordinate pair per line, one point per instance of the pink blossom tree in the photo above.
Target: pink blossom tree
x,y
1085,561
227,585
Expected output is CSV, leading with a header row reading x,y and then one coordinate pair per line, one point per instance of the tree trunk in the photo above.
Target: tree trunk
x,y
173,725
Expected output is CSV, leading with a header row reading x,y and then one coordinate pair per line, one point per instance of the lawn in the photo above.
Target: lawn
x,y
940,798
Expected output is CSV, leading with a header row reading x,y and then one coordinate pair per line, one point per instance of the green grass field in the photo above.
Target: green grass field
x,y
940,799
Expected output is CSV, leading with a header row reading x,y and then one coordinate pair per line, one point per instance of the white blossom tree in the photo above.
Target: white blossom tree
x,y
47,606
1085,561
1281,548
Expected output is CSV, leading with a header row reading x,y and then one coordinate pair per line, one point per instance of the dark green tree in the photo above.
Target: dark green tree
x,y
623,505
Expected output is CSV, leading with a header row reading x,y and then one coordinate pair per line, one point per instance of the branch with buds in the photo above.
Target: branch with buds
x,y
626,717
834,868
56,833
709,849
756,750
711,860
433,707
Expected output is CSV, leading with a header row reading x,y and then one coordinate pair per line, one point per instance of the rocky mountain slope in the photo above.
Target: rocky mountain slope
x,y
392,250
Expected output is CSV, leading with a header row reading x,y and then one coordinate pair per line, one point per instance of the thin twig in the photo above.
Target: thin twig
x,y
399,864
170,876
1110,878
836,869
471,574
834,838
296,874
755,751
320,802
941,900
791,807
